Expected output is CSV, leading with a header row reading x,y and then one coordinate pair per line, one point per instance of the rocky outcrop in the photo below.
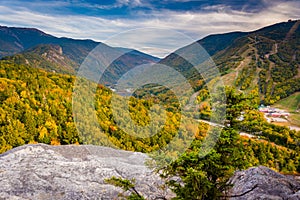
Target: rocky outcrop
x,y
78,172
73,172
264,183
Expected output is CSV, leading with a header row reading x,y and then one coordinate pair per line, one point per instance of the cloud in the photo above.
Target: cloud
x,y
154,40
108,6
210,20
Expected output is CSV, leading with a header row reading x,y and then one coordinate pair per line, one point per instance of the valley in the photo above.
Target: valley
x,y
38,90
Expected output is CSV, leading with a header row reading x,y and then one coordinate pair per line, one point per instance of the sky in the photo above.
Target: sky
x,y
157,27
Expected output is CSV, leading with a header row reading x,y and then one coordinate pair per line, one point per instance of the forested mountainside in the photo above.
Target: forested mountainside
x,y
49,57
15,40
268,58
63,55
36,106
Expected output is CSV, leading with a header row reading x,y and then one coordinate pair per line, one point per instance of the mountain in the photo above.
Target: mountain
x,y
129,59
138,53
65,55
46,56
268,58
215,43
15,40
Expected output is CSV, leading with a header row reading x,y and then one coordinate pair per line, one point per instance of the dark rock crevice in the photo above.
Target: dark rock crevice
x,y
270,185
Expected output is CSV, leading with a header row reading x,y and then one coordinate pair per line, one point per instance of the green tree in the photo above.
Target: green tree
x,y
126,185
206,177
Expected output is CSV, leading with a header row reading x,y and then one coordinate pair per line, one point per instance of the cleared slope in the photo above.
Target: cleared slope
x,y
267,59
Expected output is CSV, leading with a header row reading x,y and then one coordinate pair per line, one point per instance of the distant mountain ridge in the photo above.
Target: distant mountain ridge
x,y
64,55
268,58
15,40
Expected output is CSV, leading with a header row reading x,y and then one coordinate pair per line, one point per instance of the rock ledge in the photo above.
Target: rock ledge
x,y
270,185
72,172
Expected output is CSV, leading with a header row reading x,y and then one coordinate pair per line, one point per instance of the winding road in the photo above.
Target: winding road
x,y
221,125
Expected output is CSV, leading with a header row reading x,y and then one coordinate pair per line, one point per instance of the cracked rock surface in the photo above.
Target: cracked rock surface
x,y
73,172
269,185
